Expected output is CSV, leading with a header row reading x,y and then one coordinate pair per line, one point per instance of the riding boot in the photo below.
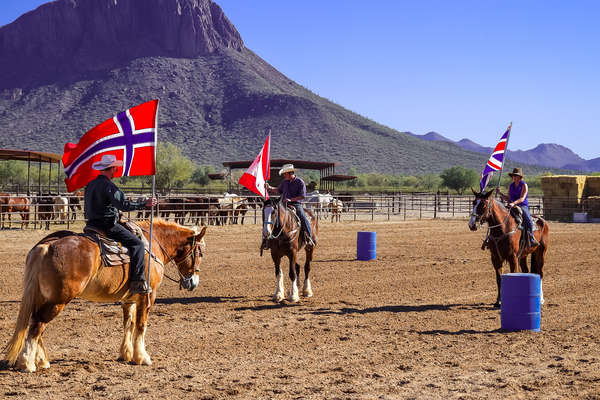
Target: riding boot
x,y
532,240
139,287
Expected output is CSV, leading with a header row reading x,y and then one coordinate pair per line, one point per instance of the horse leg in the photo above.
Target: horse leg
x,y
126,352
293,296
497,263
33,355
279,288
306,288
140,356
523,264
538,258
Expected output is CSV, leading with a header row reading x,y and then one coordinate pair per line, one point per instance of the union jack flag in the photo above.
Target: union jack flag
x,y
130,136
495,161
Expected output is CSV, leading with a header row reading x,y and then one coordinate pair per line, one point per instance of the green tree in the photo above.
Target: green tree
x,y
173,169
459,178
200,174
429,182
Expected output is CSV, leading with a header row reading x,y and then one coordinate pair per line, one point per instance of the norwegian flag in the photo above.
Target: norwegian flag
x,y
496,159
130,136
259,172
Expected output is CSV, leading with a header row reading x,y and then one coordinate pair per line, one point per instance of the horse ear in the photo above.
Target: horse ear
x,y
199,235
488,194
474,192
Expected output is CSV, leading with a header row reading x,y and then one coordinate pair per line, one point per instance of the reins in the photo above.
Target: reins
x,y
495,239
292,235
173,260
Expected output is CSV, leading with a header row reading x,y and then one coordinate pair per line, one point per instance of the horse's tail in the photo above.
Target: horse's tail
x,y
29,302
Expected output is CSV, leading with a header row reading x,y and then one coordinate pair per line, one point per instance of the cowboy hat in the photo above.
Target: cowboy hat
x,y
516,172
107,161
286,168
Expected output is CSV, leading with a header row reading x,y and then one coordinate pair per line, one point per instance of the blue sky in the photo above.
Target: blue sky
x,y
464,69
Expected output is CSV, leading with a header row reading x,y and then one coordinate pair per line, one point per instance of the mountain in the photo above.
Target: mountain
x,y
545,154
71,64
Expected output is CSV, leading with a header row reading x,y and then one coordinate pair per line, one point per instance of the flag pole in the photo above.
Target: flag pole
x,y
505,154
153,194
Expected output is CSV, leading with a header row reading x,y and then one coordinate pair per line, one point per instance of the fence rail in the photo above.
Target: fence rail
x,y
38,212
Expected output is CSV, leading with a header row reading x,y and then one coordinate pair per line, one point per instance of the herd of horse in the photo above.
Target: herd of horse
x,y
46,208
65,265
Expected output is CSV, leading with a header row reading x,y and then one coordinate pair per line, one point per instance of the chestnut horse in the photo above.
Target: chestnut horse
x,y
65,265
285,240
16,204
504,238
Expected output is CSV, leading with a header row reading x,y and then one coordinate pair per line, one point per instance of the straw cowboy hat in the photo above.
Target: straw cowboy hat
x,y
286,168
516,172
107,161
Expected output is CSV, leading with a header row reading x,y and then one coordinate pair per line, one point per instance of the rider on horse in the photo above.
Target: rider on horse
x,y
517,196
102,201
292,190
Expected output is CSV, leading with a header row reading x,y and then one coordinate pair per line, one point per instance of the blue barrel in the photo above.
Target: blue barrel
x,y
366,246
521,306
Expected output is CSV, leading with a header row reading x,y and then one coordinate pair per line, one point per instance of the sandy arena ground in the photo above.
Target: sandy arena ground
x,y
415,323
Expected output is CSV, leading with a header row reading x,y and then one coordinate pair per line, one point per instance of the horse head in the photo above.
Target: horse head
x,y
482,209
188,257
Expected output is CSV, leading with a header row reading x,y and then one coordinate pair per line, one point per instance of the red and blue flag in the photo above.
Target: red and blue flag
x,y
130,136
496,160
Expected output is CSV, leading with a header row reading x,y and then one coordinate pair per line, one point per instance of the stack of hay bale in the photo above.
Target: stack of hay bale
x,y
562,196
591,203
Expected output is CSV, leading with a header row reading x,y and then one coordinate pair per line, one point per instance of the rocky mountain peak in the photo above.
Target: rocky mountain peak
x,y
75,38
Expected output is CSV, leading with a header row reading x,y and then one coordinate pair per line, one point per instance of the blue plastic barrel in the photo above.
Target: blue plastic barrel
x,y
521,307
366,246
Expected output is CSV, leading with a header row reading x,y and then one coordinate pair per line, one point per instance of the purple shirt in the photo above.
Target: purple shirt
x,y
294,188
514,193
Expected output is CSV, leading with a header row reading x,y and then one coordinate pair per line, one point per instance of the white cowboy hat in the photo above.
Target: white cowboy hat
x,y
286,168
107,161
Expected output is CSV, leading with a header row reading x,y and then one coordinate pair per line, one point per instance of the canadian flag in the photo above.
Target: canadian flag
x,y
259,172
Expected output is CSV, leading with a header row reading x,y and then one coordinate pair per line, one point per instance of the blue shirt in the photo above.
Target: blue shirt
x,y
290,189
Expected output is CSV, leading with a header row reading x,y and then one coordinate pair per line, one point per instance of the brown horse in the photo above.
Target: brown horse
x,y
15,204
3,207
504,238
285,240
66,265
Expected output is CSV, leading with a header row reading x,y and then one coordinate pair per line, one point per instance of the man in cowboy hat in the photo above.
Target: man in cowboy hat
x,y
102,201
517,196
292,190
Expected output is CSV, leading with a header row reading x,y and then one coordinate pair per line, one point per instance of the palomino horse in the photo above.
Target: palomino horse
x,y
503,238
285,240
65,265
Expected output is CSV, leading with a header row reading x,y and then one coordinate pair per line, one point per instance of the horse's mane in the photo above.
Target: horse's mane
x,y
161,223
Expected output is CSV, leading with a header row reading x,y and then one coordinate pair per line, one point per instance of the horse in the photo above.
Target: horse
x,y
61,209
3,207
65,265
504,238
335,207
285,240
19,205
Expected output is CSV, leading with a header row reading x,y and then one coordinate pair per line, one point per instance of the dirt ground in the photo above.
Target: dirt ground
x,y
417,322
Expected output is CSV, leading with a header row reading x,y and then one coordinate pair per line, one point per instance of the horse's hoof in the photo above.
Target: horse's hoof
x,y
145,360
307,294
278,297
294,299
44,365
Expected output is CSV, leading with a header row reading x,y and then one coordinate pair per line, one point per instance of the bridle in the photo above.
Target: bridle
x,y
278,223
195,253
485,218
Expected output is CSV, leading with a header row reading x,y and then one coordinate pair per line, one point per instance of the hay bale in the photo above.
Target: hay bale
x,y
570,186
562,195
591,205
592,186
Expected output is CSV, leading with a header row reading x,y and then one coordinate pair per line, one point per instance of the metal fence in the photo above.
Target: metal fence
x,y
41,212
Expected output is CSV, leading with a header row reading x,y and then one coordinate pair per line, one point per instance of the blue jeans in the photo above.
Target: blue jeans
x,y
527,221
137,265
303,219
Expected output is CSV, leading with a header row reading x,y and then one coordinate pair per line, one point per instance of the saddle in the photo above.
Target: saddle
x,y
113,253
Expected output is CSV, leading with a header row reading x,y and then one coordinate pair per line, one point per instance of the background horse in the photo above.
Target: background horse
x,y
504,237
285,239
16,204
65,265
